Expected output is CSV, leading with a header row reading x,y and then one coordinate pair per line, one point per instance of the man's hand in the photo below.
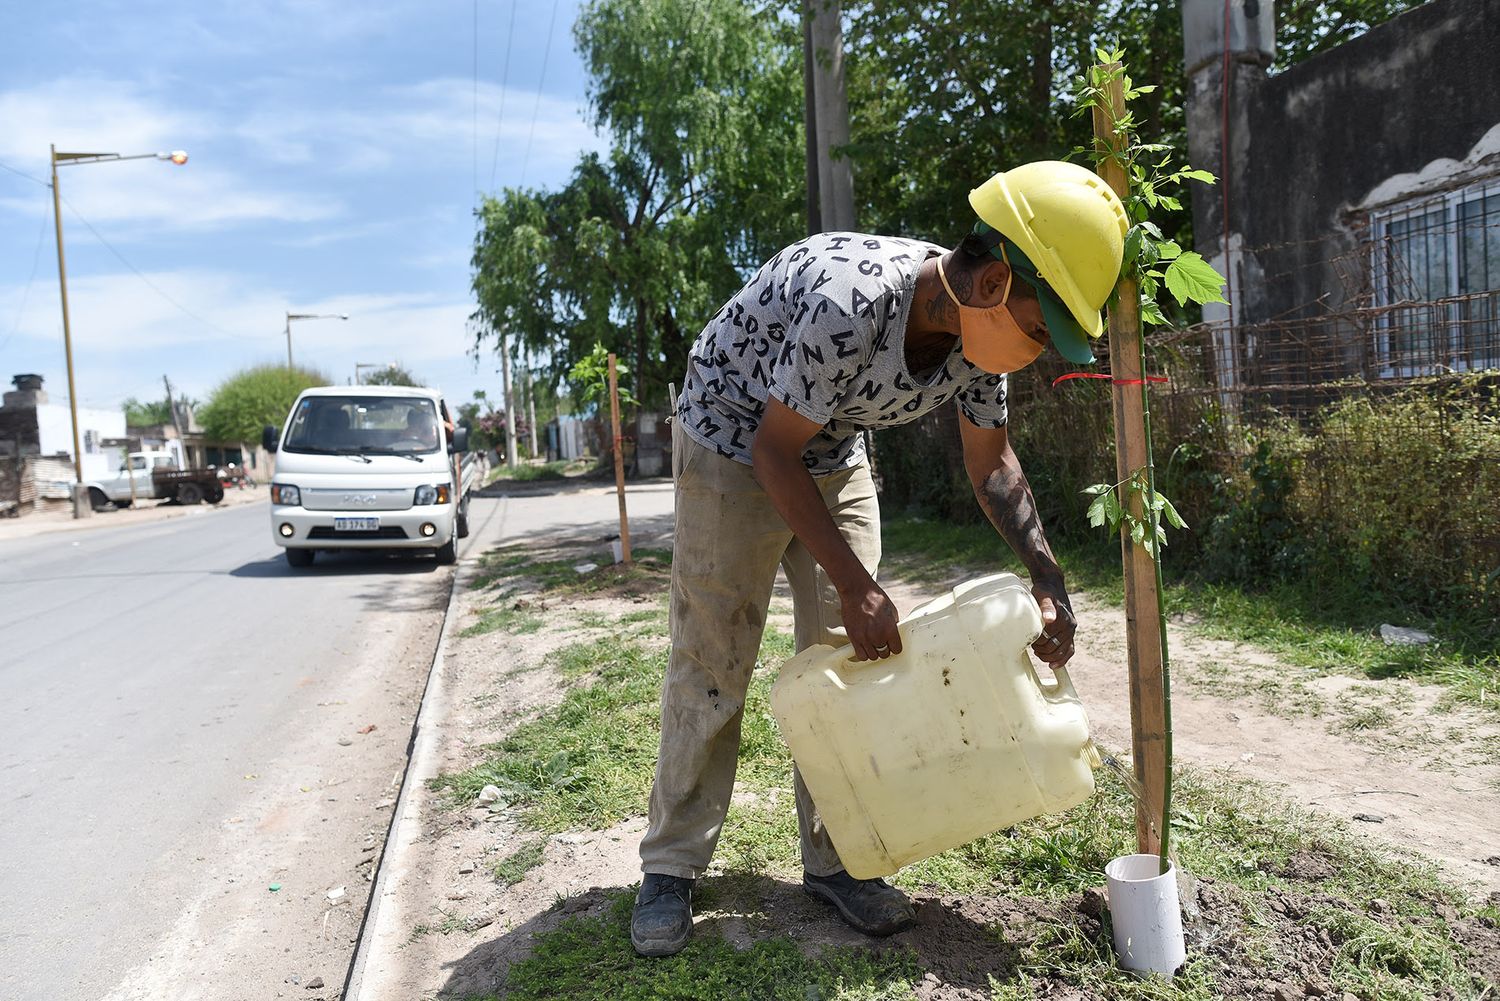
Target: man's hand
x,y
870,620
1055,647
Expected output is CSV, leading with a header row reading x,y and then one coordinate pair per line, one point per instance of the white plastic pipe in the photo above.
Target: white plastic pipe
x,y
1147,918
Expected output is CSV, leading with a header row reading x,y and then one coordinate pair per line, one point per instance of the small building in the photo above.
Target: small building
x,y
1357,215
36,446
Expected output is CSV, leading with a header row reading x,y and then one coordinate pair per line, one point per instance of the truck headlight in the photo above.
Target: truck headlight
x,y
431,494
287,496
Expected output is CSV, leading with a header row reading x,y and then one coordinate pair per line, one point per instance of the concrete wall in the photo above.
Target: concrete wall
x,y
1312,148
55,428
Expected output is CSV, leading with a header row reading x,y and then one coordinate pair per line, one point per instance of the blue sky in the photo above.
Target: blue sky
x,y
333,166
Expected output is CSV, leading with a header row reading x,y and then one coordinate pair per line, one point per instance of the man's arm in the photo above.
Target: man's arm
x,y
776,456
995,472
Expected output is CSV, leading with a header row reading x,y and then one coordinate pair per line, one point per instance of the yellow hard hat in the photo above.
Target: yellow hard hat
x,y
1070,225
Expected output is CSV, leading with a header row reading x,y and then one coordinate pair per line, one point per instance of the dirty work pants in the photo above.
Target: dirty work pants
x,y
729,541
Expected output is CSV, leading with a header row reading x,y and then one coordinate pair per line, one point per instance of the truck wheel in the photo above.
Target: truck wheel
x,y
447,553
461,523
299,557
215,494
190,493
122,503
97,500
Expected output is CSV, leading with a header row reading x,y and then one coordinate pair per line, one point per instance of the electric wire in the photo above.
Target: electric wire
x,y
510,38
157,288
22,173
537,107
36,258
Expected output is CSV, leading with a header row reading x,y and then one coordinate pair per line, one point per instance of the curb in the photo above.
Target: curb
x,y
373,963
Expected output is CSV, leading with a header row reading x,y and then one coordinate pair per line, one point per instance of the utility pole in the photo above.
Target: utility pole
x,y
172,407
510,403
80,507
531,409
830,182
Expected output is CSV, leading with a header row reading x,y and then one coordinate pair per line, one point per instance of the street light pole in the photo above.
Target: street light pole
x,y
80,505
62,284
306,316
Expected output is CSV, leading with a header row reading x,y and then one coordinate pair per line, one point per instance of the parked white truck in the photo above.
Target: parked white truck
x,y
370,467
154,475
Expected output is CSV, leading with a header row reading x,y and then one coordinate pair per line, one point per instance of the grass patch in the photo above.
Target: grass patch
x,y
510,619
591,958
533,472
648,571
514,867
588,762
1318,628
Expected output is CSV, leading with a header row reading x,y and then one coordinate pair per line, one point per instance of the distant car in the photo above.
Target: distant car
x,y
369,467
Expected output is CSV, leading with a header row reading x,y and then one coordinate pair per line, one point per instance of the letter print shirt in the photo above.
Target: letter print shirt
x,y
822,328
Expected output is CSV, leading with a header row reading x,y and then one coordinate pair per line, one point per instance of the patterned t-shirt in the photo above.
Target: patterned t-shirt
x,y
822,328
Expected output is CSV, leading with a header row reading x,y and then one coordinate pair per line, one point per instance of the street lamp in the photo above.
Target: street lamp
x,y
306,316
176,156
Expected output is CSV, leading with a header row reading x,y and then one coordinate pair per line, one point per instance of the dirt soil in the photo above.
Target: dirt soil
x,y
1442,804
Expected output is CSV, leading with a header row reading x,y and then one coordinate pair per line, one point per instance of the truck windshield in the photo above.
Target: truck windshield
x,y
363,425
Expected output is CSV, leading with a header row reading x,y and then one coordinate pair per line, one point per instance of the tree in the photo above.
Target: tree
x,y
253,398
702,102
138,414
395,374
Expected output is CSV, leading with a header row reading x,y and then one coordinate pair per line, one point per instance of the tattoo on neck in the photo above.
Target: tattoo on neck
x,y
963,284
938,308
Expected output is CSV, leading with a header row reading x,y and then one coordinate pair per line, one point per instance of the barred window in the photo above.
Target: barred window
x,y
1437,283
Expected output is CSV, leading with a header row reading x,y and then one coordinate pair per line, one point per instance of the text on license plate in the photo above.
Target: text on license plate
x,y
356,524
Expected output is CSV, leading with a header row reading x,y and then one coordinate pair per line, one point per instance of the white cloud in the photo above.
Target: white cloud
x,y
89,114
429,123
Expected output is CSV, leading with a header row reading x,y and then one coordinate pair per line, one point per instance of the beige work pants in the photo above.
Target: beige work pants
x,y
729,542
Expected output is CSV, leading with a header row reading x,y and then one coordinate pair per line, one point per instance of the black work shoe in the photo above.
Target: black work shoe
x,y
663,916
872,906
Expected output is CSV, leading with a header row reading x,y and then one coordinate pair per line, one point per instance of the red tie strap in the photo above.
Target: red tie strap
x,y
1114,381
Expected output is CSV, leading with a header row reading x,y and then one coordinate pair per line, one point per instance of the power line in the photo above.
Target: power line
x,y
36,257
510,37
546,52
22,173
155,287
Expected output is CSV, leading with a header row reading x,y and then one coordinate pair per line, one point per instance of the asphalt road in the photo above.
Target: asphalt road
x,y
147,672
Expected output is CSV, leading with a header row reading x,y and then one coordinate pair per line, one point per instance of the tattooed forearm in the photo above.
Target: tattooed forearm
x,y
1007,500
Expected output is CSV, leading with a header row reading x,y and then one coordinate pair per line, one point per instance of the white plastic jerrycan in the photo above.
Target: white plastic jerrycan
x,y
952,739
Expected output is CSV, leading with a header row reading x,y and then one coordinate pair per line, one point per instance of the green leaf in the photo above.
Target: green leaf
x,y
1200,175
1151,313
1190,277
1170,513
1168,250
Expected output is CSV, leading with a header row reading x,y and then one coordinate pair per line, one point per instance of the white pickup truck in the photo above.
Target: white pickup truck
x,y
370,467
155,475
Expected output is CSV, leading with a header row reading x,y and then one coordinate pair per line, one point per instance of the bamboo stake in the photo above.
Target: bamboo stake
x,y
1143,620
614,421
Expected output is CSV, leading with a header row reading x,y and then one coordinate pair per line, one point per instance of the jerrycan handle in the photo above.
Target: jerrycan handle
x,y
1061,688
849,671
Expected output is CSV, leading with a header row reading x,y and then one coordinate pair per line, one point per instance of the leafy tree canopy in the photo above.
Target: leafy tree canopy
x,y
395,374
701,100
249,400
145,414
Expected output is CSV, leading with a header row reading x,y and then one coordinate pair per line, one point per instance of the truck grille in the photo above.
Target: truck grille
x,y
355,502
384,532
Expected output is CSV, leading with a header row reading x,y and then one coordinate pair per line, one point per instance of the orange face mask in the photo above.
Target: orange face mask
x,y
992,339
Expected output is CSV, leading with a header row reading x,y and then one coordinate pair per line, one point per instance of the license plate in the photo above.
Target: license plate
x,y
356,524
